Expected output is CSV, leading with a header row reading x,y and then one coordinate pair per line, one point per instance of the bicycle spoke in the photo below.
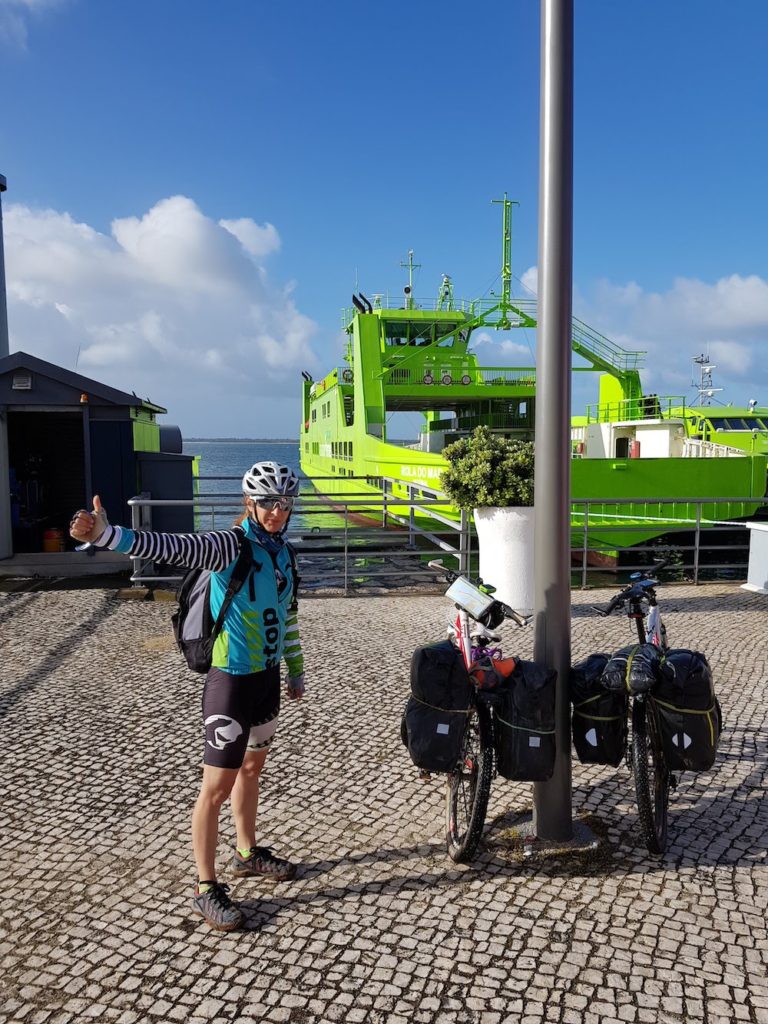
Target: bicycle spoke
x,y
469,787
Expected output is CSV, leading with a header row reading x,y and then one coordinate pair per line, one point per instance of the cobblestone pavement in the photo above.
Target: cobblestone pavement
x,y
101,732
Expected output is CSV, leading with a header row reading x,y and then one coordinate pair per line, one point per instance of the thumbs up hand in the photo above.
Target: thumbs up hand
x,y
87,527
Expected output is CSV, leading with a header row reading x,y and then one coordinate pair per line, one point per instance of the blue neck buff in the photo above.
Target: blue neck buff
x,y
271,542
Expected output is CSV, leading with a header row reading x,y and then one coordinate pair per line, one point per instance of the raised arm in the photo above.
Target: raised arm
x,y
214,550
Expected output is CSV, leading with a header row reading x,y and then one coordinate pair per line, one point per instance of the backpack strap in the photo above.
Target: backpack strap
x,y
240,574
296,578
294,572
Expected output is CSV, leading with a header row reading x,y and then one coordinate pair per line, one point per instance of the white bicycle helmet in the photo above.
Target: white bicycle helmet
x,y
269,479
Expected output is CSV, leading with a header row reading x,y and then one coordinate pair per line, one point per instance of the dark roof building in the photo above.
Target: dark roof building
x,y
64,436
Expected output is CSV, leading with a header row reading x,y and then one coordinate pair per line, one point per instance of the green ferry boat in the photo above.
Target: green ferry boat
x,y
630,451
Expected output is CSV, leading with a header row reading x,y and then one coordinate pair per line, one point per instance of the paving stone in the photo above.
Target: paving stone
x,y
380,925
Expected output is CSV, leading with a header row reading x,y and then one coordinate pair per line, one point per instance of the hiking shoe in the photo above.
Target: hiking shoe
x,y
217,908
261,861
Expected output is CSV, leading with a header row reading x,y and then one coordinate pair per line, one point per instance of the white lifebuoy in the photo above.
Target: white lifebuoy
x,y
428,378
446,379
466,379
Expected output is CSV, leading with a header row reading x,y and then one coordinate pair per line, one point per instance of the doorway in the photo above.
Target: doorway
x,y
46,458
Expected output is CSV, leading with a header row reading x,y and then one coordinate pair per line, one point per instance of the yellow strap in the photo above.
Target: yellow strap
x,y
682,711
446,711
599,718
521,728
629,665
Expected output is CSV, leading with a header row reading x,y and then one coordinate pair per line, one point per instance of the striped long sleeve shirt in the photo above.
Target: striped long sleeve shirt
x,y
216,551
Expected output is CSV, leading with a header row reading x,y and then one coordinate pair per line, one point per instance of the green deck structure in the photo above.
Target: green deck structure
x,y
415,356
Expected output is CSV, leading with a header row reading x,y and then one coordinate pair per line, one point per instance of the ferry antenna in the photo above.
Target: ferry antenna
x,y
410,266
506,249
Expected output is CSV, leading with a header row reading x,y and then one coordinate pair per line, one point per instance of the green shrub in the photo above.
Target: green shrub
x,y
486,469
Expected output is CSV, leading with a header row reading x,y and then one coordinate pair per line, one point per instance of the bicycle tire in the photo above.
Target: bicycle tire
x,y
652,781
469,787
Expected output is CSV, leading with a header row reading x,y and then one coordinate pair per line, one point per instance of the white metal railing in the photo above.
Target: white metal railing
x,y
351,543
450,537
691,515
693,448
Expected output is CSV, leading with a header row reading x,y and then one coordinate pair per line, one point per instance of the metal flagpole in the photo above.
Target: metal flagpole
x,y
552,547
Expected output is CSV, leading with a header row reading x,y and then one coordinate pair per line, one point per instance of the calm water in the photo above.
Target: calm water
x,y
232,459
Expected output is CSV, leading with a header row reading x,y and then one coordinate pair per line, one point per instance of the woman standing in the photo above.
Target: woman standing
x,y
241,699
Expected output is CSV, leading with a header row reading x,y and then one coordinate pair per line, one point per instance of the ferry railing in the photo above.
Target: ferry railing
x,y
442,373
342,541
646,407
696,518
695,521
693,448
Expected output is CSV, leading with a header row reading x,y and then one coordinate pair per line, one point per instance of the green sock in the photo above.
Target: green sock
x,y
244,852
203,887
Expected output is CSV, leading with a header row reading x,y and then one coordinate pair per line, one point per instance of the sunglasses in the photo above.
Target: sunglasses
x,y
269,504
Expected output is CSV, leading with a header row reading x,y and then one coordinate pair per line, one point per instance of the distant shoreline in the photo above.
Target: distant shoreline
x,y
266,440
241,440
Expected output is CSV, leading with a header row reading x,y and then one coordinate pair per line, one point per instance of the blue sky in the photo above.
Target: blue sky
x,y
195,187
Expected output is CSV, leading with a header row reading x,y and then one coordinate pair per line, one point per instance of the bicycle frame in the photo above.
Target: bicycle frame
x,y
469,785
650,627
653,779
464,637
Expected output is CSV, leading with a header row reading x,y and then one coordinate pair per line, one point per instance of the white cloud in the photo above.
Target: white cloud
x,y
726,320
257,239
171,304
530,280
14,16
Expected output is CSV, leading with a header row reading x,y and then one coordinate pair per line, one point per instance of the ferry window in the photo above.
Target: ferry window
x,y
730,423
522,409
314,415
721,423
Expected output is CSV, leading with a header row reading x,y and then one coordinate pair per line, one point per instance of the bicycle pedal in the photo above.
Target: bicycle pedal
x,y
425,775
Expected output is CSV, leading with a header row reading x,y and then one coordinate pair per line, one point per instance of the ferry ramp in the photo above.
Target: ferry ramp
x,y
100,725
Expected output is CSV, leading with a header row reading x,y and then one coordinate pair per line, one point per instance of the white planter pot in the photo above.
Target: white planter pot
x,y
505,536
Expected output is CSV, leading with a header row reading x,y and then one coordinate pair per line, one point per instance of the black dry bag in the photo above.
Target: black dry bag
x,y
599,724
687,711
525,724
633,669
435,716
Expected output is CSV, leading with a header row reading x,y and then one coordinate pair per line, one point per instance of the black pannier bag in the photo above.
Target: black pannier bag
x,y
599,722
633,669
525,724
435,716
687,711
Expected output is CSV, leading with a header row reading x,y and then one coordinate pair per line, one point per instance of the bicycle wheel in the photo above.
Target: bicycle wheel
x,y
651,777
469,787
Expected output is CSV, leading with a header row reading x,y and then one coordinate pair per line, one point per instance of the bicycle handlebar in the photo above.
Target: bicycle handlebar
x,y
634,590
517,618
506,610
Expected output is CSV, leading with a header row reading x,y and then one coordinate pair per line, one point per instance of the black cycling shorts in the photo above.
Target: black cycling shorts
x,y
239,714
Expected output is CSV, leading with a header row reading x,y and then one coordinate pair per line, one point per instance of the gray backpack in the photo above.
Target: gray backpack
x,y
193,624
